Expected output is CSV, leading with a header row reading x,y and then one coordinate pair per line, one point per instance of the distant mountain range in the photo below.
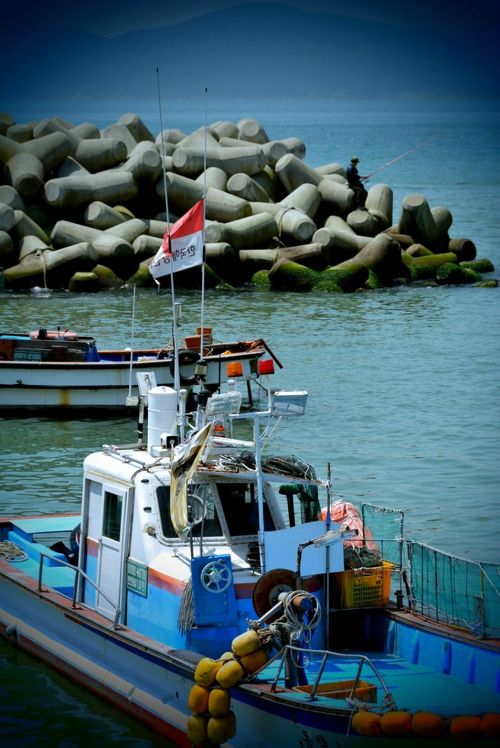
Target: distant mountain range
x,y
250,51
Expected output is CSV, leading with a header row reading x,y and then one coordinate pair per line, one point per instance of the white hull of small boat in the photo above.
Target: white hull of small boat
x,y
67,372
99,385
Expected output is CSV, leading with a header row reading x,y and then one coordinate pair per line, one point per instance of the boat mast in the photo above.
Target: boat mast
x,y
131,345
175,309
202,314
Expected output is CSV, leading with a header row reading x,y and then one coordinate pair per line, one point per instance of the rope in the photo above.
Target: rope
x,y
185,619
295,628
279,218
39,253
11,552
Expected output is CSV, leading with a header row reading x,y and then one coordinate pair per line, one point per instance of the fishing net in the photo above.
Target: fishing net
x,y
440,585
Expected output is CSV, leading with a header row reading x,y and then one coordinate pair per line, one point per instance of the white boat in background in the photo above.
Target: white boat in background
x,y
212,589
64,372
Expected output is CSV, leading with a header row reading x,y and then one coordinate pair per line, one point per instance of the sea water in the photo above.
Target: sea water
x,y
403,383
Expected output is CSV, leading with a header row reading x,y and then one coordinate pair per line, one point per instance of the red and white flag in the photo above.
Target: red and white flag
x,y
182,247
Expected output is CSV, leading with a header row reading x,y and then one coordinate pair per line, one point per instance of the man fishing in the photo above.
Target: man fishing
x,y
355,182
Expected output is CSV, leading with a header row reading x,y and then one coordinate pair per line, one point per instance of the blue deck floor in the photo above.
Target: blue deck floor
x,y
413,687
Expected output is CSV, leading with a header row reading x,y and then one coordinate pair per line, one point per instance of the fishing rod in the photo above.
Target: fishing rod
x,y
402,155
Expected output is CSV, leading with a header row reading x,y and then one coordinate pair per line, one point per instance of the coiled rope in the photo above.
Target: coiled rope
x,y
11,552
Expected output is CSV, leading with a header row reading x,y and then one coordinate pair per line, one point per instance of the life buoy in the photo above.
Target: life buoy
x,y
186,358
43,334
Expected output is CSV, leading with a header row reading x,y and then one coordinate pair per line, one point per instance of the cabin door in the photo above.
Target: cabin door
x,y
111,551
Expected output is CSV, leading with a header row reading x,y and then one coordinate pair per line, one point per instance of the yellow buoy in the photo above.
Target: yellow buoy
x,y
204,675
221,729
219,702
366,723
466,727
225,656
245,643
254,661
196,728
198,699
396,723
229,674
427,724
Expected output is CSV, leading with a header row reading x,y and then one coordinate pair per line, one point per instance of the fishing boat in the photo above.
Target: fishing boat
x,y
214,589
65,372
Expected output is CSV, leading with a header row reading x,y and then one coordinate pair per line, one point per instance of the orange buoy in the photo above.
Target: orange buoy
x,y
427,724
221,729
230,674
196,729
254,661
53,335
204,675
396,723
198,699
219,702
366,723
466,727
245,643
490,724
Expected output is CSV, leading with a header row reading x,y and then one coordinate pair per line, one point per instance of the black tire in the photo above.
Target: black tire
x,y
186,358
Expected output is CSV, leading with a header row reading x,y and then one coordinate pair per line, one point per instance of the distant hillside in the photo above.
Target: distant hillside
x,y
251,51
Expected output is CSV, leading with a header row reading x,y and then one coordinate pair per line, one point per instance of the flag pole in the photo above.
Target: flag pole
x,y
202,315
175,308
132,342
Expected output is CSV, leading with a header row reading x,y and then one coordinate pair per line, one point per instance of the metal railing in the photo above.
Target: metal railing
x,y
454,590
293,654
79,573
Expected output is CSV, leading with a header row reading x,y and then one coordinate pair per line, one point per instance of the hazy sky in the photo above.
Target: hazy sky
x,y
297,47
114,17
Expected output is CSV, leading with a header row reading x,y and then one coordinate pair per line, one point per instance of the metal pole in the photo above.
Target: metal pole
x,y
172,289
327,558
202,315
131,344
260,495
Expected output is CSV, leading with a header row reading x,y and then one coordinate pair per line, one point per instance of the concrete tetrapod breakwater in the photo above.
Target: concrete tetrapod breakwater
x,y
85,209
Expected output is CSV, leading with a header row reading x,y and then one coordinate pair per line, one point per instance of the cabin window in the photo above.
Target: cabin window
x,y
203,507
112,515
163,496
239,502
300,503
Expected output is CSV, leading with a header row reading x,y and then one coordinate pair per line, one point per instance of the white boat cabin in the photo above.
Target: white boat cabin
x,y
191,527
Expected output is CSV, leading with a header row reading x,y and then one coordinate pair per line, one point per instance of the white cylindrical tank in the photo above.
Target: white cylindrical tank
x,y
162,414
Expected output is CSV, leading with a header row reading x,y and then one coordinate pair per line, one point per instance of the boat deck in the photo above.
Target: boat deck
x,y
32,534
413,687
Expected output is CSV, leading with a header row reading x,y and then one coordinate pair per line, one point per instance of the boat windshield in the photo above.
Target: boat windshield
x,y
239,506
203,511
239,503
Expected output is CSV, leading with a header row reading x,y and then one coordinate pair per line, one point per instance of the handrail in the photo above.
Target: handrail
x,y
325,654
78,572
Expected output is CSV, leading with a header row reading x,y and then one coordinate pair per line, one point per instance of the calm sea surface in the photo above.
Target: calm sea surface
x,y
404,394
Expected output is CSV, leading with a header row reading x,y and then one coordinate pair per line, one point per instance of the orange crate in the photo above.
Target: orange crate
x,y
342,690
193,342
367,587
